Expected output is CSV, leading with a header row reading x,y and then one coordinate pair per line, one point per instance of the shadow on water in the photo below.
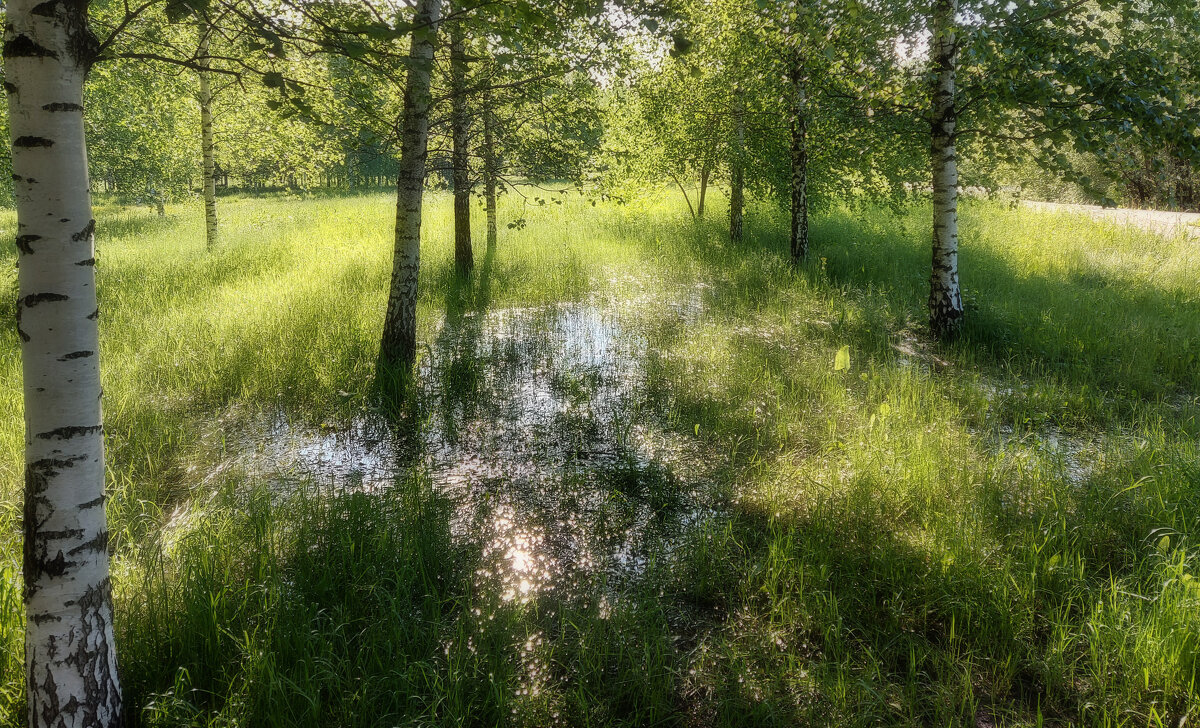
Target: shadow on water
x,y
536,423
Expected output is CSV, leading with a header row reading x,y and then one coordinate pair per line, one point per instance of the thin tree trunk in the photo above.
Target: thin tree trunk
x,y
490,169
206,142
945,297
460,129
705,171
736,192
686,198
799,155
70,656
399,344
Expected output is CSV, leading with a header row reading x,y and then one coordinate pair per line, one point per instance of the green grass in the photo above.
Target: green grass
x,y
999,530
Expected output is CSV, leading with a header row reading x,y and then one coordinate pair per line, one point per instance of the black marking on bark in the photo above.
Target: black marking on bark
x,y
66,433
48,694
76,355
22,46
89,261
93,503
35,485
93,657
62,106
50,467
23,242
94,315
99,543
40,619
86,232
34,299
83,44
56,566
46,9
21,332
61,534
29,142
16,177
10,87
72,706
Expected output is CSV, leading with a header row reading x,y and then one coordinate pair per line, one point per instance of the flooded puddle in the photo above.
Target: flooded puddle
x,y
539,431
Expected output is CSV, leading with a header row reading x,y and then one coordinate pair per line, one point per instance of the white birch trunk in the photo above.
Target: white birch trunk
x,y
399,345
70,658
206,141
945,297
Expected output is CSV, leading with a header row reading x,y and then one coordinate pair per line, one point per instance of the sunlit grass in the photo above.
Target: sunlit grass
x,y
994,530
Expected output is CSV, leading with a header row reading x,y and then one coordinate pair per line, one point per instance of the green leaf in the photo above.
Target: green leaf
x,y
841,362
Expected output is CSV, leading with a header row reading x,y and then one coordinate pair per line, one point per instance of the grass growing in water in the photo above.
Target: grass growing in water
x,y
998,531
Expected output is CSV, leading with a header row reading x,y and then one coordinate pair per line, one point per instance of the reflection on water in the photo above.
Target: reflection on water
x,y
537,428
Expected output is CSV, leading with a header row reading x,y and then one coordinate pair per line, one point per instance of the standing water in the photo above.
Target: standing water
x,y
540,431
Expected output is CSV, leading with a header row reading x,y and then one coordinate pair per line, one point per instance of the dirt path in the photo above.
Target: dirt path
x,y
1164,223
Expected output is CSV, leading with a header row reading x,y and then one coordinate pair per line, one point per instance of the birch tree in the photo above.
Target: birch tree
x,y
737,194
460,132
799,157
945,295
208,178
399,345
70,656
490,170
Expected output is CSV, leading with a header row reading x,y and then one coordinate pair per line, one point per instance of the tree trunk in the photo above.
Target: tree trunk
x,y
736,192
206,142
705,171
399,344
945,298
70,656
799,161
460,130
490,169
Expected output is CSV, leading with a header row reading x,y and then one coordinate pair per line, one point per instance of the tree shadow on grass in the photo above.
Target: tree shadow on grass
x,y
1122,339
838,616
131,222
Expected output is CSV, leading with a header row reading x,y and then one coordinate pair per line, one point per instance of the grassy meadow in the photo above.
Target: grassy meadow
x,y
849,524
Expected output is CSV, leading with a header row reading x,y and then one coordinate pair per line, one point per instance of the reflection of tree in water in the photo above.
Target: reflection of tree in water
x,y
541,430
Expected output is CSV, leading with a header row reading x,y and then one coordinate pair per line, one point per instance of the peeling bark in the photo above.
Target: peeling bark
x,y
399,345
460,128
945,297
70,656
